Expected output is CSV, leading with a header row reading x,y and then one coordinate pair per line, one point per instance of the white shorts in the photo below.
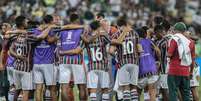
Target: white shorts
x,y
44,73
68,70
128,74
23,80
143,82
162,81
98,78
194,83
10,73
56,72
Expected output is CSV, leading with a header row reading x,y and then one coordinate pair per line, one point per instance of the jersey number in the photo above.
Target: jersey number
x,y
19,51
96,54
127,47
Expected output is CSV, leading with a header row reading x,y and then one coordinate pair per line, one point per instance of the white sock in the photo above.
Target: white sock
x,y
146,96
105,97
93,97
134,95
126,95
120,95
47,95
11,95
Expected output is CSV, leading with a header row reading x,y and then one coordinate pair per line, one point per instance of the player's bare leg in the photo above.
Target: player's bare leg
x,y
195,94
165,94
39,92
152,92
66,92
17,92
25,95
82,92
53,92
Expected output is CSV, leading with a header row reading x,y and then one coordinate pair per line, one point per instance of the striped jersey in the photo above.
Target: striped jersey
x,y
127,52
97,53
71,39
24,45
163,46
44,52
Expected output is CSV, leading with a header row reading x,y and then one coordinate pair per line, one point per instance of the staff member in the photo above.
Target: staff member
x,y
181,54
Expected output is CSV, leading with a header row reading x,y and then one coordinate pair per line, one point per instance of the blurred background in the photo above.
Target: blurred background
x,y
137,12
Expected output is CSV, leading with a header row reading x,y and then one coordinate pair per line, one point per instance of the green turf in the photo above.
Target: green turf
x,y
77,98
200,89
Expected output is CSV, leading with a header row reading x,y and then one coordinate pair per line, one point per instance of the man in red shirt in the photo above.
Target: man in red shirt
x,y
180,64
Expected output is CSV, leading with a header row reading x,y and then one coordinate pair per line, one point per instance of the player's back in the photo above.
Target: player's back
x,y
127,52
97,52
24,46
44,51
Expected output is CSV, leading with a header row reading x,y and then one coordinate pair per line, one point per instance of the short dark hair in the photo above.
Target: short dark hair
x,y
33,24
158,20
141,32
158,29
94,25
100,15
121,22
166,25
19,21
48,19
74,17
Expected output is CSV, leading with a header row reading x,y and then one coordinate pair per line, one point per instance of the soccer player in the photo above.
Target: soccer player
x,y
112,32
3,59
44,55
147,65
98,62
71,58
127,55
22,50
162,43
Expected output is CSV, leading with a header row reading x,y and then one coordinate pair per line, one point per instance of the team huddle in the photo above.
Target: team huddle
x,y
51,55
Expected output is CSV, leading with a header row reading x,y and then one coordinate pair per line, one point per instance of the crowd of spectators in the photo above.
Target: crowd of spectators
x,y
138,12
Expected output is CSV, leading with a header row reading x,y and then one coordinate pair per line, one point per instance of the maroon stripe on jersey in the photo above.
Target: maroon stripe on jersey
x,y
127,52
97,54
24,46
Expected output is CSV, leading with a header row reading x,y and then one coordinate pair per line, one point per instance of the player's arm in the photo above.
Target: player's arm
x,y
9,34
3,55
16,32
45,33
72,26
121,37
2,58
88,39
77,50
52,39
14,54
112,49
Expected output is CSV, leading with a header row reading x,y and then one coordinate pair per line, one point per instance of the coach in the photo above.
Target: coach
x,y
181,54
